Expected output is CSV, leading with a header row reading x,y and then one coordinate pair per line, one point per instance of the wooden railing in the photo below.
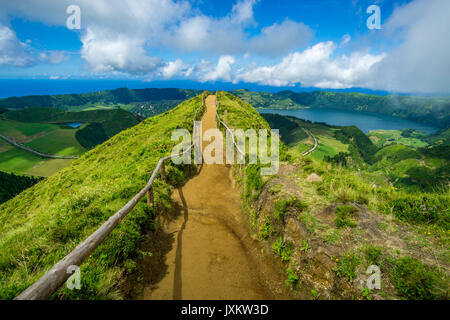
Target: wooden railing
x,y
226,127
57,275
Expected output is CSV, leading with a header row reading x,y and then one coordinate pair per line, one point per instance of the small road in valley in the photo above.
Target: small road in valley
x,y
316,144
40,154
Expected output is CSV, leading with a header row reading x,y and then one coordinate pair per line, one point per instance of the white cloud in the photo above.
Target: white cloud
x,y
172,68
12,51
106,52
124,36
315,67
119,36
280,38
200,33
421,62
222,71
345,39
53,57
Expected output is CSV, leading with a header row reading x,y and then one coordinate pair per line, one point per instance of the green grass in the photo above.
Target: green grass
x,y
59,142
346,266
345,216
48,167
49,219
19,130
54,138
417,281
284,249
292,278
18,161
239,114
328,146
373,187
385,137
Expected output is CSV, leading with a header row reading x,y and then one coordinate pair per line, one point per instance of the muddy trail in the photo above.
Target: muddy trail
x,y
204,250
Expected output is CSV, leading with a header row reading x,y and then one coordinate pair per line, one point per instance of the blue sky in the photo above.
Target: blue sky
x,y
323,44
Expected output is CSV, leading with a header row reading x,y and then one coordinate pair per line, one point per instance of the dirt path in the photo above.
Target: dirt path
x,y
211,255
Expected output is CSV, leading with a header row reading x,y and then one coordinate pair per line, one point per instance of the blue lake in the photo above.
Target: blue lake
x,y
73,124
366,121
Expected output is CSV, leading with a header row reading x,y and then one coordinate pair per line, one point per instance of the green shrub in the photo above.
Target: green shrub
x,y
373,254
174,176
282,206
292,279
415,280
253,181
344,215
419,208
346,266
284,249
265,229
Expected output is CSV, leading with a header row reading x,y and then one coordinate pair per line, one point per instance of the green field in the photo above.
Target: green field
x,y
385,137
22,132
48,167
59,142
43,129
43,137
328,146
293,135
16,160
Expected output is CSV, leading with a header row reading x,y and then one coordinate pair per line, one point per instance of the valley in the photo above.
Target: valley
x,y
311,230
51,131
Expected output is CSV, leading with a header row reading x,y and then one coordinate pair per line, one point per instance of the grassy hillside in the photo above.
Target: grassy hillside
x,y
428,110
292,134
144,102
327,223
48,220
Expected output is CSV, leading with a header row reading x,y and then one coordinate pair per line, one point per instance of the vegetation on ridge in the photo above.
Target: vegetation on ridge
x,y
48,220
348,211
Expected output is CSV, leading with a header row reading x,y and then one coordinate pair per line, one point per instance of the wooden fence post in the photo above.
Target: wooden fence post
x,y
150,197
163,171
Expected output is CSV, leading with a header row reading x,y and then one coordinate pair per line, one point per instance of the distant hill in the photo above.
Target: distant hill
x,y
145,102
427,110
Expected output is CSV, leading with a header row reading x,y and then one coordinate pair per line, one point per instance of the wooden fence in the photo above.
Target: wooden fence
x,y
227,129
57,275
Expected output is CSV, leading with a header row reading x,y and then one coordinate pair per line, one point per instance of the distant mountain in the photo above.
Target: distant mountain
x,y
145,102
427,110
